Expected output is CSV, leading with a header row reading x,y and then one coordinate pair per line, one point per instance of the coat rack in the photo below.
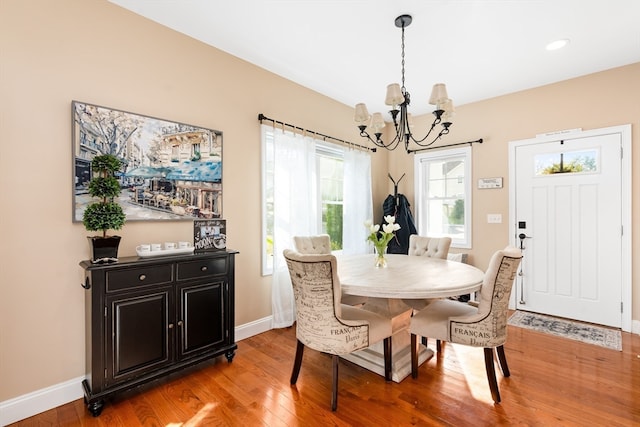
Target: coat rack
x,y
395,187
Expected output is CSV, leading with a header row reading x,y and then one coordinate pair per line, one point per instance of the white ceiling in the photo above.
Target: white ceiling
x,y
349,50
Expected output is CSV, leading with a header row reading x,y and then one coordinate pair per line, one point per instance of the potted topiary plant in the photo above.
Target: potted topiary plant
x,y
105,213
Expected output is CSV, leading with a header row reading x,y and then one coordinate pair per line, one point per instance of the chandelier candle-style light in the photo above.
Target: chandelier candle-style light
x,y
398,98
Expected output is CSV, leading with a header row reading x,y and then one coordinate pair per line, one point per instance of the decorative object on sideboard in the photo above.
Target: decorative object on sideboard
x,y
104,213
146,250
210,235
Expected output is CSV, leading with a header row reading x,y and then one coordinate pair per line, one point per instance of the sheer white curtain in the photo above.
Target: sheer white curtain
x,y
295,212
357,201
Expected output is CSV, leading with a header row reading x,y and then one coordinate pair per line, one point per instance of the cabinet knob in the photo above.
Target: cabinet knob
x,y
170,325
142,277
180,323
203,268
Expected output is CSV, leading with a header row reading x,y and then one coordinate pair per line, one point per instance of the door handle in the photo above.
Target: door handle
x,y
523,236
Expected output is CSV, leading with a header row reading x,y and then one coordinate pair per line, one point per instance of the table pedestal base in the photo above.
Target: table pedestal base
x,y
372,358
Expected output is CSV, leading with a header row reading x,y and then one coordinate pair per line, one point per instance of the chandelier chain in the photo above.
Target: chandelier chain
x,y
403,88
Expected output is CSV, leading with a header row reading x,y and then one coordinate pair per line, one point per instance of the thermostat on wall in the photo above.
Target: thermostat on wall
x,y
490,183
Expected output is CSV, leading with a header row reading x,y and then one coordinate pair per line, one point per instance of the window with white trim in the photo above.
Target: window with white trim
x,y
443,195
329,180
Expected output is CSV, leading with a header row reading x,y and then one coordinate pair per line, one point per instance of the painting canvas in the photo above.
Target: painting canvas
x,y
171,170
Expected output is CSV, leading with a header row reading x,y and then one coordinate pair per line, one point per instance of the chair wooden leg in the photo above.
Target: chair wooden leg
x,y
491,374
334,386
297,363
503,361
387,358
414,356
438,346
424,341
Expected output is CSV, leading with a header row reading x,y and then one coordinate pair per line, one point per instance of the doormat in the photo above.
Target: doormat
x,y
579,331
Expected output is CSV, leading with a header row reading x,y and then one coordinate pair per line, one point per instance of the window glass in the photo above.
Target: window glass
x,y
443,195
267,201
585,161
330,179
331,175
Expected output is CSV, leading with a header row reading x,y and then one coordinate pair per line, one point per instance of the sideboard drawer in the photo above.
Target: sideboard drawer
x,y
202,268
158,274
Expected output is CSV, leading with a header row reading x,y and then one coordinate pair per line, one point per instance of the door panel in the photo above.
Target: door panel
x,y
572,260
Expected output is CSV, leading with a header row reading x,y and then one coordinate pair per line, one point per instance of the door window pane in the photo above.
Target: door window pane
x,y
585,161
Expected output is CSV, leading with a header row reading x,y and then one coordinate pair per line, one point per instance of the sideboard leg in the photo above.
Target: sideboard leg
x,y
96,408
230,355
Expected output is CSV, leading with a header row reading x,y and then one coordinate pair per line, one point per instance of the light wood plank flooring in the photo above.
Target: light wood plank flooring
x,y
554,382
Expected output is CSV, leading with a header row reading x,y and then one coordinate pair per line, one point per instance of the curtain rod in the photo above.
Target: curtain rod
x,y
477,141
262,117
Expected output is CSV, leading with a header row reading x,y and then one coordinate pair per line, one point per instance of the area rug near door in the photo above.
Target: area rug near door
x,y
579,331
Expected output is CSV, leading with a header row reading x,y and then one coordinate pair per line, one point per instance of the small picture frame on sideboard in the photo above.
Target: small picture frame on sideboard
x,y
210,235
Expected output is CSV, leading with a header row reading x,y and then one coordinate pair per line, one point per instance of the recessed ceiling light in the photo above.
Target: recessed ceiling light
x,y
557,44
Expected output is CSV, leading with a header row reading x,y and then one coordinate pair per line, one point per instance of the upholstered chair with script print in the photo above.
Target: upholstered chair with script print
x,y
321,245
326,325
484,325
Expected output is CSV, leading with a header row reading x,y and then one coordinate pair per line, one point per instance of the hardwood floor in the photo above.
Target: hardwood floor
x,y
554,382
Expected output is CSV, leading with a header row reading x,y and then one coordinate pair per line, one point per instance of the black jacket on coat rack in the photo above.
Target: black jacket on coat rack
x,y
398,206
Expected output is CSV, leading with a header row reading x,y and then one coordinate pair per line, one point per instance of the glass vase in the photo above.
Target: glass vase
x,y
381,261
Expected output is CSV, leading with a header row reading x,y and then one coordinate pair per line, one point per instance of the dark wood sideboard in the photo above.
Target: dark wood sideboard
x,y
148,317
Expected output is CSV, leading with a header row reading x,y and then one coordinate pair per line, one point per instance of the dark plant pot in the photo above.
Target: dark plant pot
x,y
104,249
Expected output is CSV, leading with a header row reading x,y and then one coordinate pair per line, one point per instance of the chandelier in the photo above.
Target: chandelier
x,y
398,98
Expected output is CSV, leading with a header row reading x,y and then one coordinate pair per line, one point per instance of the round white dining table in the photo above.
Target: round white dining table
x,y
405,277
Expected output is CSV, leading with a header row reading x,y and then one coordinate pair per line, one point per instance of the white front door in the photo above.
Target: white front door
x,y
568,204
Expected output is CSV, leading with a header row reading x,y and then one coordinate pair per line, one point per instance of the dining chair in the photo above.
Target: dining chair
x,y
484,325
433,247
326,325
321,245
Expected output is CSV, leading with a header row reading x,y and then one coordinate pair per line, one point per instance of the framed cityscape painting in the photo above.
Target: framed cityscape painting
x,y
171,170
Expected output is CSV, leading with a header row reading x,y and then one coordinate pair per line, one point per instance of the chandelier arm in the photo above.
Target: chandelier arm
x,y
391,145
440,134
421,140
378,142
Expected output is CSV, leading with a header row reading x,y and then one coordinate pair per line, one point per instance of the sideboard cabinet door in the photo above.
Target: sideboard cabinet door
x,y
202,325
138,334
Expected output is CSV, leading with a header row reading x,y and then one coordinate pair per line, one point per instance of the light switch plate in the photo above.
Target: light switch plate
x,y
494,218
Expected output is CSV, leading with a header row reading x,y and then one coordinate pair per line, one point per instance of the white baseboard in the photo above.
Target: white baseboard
x,y
253,328
635,327
33,403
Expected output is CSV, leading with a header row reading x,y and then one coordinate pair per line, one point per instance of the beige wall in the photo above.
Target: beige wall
x,y
93,51
54,52
595,101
